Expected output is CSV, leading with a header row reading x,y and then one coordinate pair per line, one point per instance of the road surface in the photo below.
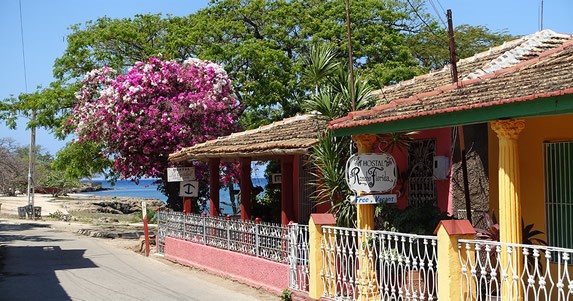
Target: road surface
x,y
38,262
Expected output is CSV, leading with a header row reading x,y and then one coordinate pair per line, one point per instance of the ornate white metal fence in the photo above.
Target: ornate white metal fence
x,y
299,251
367,264
519,272
266,240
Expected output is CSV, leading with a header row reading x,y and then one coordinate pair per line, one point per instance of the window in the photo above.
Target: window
x,y
421,188
559,193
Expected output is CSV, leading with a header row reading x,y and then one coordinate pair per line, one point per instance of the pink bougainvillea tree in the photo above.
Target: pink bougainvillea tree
x,y
155,109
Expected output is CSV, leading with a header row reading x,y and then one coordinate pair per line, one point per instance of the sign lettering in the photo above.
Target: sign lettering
x,y
374,199
371,172
179,174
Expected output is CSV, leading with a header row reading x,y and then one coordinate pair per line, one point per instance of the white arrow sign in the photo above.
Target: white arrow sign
x,y
189,189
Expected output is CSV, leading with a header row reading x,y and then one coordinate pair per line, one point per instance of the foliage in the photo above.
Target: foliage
x,y
14,163
267,206
73,157
328,158
13,169
260,43
60,181
430,45
421,220
529,235
157,108
57,215
286,295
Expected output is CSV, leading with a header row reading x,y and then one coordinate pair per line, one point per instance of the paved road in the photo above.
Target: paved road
x,y
38,262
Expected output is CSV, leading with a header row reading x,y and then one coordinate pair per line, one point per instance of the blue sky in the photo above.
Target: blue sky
x,y
45,26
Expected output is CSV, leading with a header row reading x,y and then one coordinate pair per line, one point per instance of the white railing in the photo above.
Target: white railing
x,y
299,252
491,270
367,264
266,240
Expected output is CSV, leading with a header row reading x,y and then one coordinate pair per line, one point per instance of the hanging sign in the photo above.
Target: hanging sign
x,y
179,174
371,172
374,199
276,178
189,189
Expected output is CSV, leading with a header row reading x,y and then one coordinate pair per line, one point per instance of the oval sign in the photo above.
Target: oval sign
x,y
371,172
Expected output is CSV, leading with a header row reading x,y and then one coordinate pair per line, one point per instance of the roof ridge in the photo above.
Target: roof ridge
x,y
288,120
467,82
513,56
516,45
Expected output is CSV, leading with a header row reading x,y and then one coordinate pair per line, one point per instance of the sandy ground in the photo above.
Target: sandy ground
x,y
65,205
9,205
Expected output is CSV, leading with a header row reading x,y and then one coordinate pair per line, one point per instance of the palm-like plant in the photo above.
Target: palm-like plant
x,y
332,98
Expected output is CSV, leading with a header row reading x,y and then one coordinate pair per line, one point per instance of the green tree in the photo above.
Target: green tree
x,y
259,42
430,46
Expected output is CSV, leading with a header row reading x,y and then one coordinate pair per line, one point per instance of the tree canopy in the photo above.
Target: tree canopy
x,y
261,44
155,109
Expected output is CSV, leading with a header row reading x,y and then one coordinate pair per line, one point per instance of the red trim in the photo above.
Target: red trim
x,y
287,189
334,126
246,188
214,187
187,205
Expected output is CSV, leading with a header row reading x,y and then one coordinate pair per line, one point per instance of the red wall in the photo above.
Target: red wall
x,y
257,272
443,148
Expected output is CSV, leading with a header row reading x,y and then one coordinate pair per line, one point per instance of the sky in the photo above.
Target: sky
x,y
45,27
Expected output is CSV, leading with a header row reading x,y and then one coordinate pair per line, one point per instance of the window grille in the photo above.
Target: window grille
x,y
559,193
421,185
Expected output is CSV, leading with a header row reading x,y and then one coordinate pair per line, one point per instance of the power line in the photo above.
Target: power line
x,y
438,13
440,4
426,23
23,51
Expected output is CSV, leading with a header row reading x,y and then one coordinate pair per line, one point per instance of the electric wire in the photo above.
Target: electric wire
x,y
426,23
23,51
438,13
441,7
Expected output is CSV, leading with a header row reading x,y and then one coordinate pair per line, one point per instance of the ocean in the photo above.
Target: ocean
x,y
146,189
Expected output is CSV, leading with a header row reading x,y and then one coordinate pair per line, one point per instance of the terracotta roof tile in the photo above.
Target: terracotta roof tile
x,y
542,74
293,135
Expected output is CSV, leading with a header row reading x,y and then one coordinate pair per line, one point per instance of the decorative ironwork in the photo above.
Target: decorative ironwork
x,y
298,257
368,264
266,240
521,272
421,184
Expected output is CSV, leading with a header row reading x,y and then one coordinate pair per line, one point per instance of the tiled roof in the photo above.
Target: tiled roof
x,y
536,66
295,135
487,62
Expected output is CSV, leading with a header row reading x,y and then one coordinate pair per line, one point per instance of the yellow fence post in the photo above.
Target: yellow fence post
x,y
367,289
315,236
449,265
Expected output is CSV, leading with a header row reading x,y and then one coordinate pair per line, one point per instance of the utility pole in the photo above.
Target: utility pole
x,y
350,61
31,165
32,149
454,69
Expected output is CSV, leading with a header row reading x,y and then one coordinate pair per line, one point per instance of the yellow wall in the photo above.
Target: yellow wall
x,y
537,131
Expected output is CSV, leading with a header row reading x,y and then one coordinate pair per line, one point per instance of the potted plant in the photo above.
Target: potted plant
x,y
530,236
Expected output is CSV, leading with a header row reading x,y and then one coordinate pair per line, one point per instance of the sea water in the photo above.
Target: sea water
x,y
148,190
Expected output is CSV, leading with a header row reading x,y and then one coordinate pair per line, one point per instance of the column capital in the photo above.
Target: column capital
x,y
508,129
364,142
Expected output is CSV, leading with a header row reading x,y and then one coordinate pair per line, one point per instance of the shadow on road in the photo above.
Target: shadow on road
x,y
29,272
